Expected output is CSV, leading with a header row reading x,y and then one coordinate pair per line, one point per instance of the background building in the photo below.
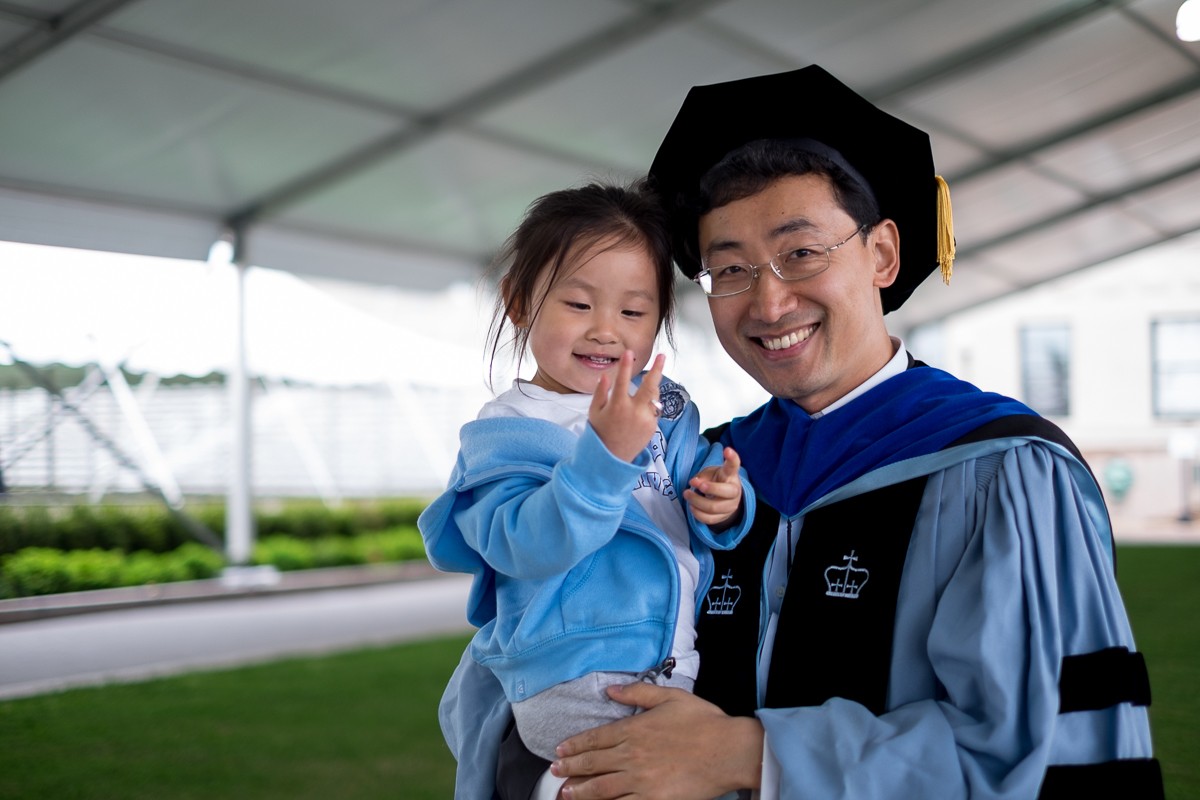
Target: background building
x,y
1111,354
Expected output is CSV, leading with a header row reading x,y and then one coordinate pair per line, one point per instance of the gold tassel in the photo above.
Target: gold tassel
x,y
945,229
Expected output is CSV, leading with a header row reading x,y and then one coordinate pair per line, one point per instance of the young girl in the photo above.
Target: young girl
x,y
576,587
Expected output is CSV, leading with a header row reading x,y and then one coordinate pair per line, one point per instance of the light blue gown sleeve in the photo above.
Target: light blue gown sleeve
x,y
1009,570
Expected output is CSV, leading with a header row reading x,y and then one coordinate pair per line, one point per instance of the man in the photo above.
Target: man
x,y
926,607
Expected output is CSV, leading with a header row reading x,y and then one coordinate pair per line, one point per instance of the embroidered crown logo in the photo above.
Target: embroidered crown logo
x,y
847,581
722,599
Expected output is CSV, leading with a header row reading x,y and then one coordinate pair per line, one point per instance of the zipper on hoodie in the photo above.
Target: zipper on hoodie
x,y
664,669
668,552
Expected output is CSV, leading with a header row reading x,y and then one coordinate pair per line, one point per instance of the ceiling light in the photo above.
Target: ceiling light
x,y
223,250
1187,21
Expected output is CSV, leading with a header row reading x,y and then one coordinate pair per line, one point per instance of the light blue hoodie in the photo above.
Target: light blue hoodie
x,y
571,575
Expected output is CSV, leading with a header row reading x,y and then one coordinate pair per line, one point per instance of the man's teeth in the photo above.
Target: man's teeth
x,y
787,340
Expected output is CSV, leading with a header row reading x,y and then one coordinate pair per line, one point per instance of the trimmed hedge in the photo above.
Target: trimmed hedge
x,y
286,553
42,570
90,527
130,529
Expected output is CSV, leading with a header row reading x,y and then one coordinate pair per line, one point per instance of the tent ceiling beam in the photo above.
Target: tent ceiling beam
x,y
1146,102
1108,198
54,31
994,49
253,73
568,58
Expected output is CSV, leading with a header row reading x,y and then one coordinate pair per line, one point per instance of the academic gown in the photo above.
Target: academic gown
x,y
1005,587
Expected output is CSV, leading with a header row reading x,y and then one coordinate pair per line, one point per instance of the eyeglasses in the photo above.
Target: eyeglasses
x,y
794,264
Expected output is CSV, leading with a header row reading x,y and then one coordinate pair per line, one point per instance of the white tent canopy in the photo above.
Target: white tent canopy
x,y
398,142
172,317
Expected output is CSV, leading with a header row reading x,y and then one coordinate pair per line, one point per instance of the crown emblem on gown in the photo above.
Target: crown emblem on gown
x,y
722,599
847,581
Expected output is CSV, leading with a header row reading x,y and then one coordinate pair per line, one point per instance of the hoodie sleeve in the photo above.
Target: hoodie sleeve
x,y
689,453
531,527
473,715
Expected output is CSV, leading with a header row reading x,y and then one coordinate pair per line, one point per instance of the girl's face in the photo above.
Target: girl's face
x,y
604,302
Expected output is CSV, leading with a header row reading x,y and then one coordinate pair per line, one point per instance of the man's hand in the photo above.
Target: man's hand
x,y
626,422
680,747
715,495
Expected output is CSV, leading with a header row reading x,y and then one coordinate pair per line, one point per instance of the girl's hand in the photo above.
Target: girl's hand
x,y
715,495
626,422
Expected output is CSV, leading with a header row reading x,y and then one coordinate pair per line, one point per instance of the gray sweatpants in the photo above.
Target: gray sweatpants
x,y
563,710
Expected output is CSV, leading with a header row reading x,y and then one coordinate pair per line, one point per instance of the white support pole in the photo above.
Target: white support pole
x,y
239,521
239,528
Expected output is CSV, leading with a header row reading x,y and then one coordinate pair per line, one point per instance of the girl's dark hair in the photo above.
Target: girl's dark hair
x,y
750,168
561,224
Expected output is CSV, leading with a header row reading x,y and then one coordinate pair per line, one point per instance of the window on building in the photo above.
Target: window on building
x,y
1175,356
1046,368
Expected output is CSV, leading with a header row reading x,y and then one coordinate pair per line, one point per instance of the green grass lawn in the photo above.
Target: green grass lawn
x,y
363,724
356,725
1161,587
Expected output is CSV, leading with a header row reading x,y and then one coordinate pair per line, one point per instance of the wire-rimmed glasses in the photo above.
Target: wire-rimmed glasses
x,y
793,264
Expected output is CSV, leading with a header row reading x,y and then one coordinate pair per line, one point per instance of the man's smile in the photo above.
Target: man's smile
x,y
790,339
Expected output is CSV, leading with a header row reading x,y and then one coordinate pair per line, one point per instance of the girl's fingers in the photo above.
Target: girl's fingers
x,y
654,376
648,391
600,396
733,462
624,374
656,370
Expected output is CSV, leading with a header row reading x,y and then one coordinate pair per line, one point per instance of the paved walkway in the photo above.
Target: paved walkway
x,y
156,638
89,638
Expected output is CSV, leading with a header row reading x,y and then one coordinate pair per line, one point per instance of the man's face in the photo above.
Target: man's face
x,y
812,340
